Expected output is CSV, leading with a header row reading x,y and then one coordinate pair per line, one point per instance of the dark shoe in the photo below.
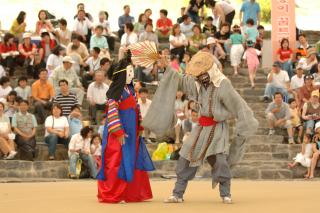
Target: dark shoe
x,y
265,99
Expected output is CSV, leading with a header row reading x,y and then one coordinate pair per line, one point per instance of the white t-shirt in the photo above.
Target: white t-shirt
x,y
127,40
279,80
77,142
297,82
24,93
181,39
186,29
55,61
56,123
144,107
97,93
82,27
65,35
5,92
94,64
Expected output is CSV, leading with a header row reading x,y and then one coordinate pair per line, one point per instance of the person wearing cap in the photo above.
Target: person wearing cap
x,y
310,62
311,112
215,48
46,45
67,72
304,93
278,115
209,140
28,52
278,81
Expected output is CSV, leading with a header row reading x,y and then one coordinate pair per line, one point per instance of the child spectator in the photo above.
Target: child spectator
x,y
305,156
23,89
251,32
208,28
259,42
164,25
96,149
285,55
144,103
278,115
189,124
102,125
237,49
5,87
175,64
62,33
75,120
79,148
186,59
11,104
25,125
295,119
179,106
6,140
251,56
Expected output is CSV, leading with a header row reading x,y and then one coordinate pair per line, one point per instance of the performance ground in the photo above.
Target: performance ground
x,y
80,196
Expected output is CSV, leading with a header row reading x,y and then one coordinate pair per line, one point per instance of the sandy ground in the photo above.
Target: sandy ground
x,y
80,196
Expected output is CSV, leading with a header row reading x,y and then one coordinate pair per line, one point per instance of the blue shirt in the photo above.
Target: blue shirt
x,y
75,125
252,34
250,10
124,19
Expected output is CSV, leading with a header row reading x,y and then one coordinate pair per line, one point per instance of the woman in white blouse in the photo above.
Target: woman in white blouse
x,y
128,38
55,58
57,130
79,148
178,42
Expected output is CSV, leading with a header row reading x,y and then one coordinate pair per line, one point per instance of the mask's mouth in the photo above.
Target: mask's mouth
x,y
204,79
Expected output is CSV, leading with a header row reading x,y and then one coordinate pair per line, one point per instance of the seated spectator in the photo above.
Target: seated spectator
x,y
96,96
180,105
285,56
196,40
310,63
23,89
180,19
186,26
43,23
178,42
295,119
96,149
9,53
128,38
82,27
124,19
75,120
42,94
251,32
57,130
63,34
301,51
215,48
278,115
193,10
78,62
98,40
65,99
208,28
149,35
93,64
28,53
55,58
66,72
237,50
223,36
297,81
46,46
5,87
144,103
305,156
189,124
316,76
304,93
10,104
148,13
311,112
278,81
18,26
164,25
79,148
186,59
139,26
315,150
77,46
103,21
6,140
81,6
104,67
25,125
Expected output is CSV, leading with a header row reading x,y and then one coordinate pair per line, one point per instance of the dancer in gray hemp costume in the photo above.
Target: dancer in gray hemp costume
x,y
209,141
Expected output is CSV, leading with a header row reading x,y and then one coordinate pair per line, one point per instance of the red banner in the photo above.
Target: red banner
x,y
283,23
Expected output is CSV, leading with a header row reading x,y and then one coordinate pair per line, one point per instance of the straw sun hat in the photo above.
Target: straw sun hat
x,y
199,64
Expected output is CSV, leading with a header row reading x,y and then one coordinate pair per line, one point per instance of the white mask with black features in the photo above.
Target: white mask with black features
x,y
130,74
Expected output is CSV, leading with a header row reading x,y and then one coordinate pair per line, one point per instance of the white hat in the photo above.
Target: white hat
x,y
211,40
68,59
26,35
317,126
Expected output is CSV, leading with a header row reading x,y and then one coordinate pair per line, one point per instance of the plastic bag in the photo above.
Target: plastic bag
x,y
161,152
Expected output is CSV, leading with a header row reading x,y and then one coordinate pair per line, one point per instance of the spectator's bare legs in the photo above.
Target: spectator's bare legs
x,y
300,132
271,120
177,129
314,162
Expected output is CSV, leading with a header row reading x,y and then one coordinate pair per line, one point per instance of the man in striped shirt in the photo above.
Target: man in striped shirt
x,y
65,98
